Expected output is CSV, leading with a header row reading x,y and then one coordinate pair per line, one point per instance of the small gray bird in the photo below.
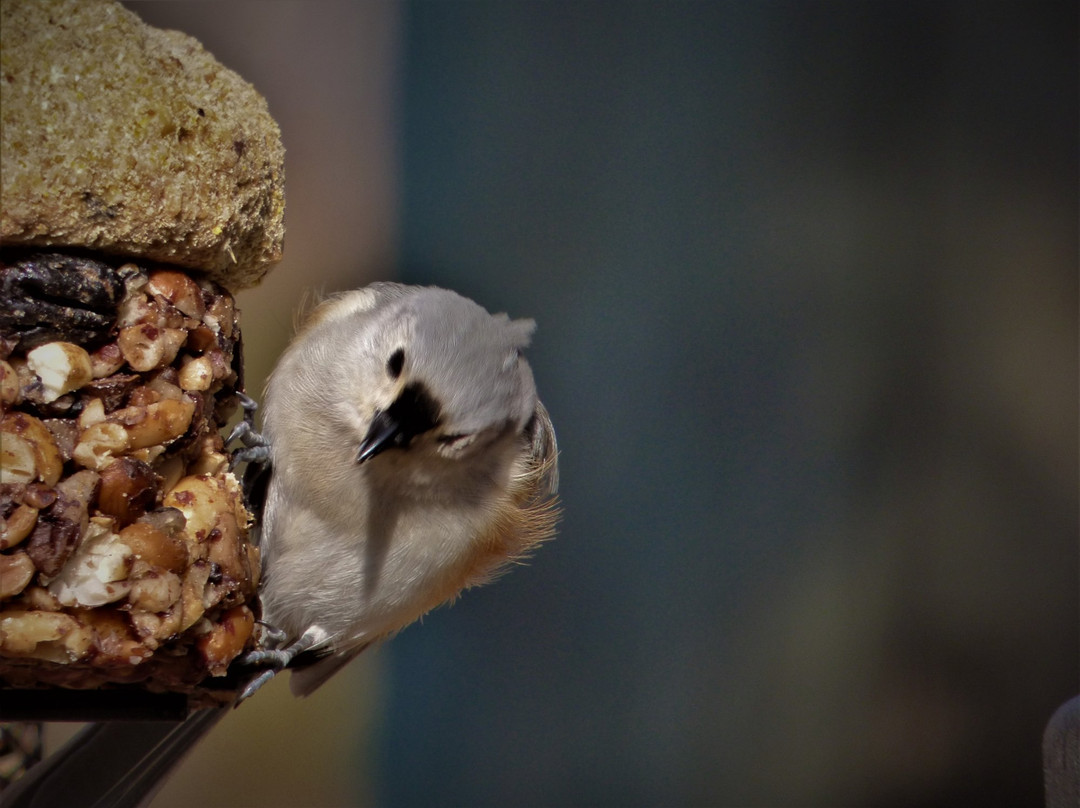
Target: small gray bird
x,y
410,458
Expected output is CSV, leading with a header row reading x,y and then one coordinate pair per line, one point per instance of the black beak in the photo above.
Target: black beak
x,y
383,433
412,413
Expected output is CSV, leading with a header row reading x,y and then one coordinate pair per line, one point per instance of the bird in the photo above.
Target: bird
x,y
404,457
410,458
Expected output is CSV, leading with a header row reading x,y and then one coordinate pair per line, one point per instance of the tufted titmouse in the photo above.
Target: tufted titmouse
x,y
409,458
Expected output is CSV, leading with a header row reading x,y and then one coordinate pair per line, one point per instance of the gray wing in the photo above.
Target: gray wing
x,y
545,449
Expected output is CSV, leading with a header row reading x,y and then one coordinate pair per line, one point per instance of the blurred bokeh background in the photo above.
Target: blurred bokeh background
x,y
805,274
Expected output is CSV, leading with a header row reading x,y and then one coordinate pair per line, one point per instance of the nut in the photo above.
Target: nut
x,y
165,385
156,547
44,635
137,308
255,565
220,363
53,540
16,571
38,495
99,443
74,495
17,526
193,605
65,433
93,413
179,289
114,642
60,527
17,463
146,346
129,489
29,383
197,373
61,366
155,424
141,398
209,462
97,572
9,385
112,390
204,501
154,627
225,549
106,360
221,316
168,520
171,470
38,598
201,339
155,591
17,431
224,642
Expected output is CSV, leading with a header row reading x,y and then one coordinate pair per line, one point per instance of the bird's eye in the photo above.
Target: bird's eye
x,y
395,363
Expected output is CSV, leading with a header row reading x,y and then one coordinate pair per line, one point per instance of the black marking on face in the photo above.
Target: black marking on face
x,y
415,411
412,413
396,363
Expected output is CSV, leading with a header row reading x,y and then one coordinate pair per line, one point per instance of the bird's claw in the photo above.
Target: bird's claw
x,y
254,447
277,659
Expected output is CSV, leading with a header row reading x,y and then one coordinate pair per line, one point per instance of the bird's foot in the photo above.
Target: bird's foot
x,y
275,659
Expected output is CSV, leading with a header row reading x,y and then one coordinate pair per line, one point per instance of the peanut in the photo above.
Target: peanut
x,y
155,627
224,642
171,470
155,546
128,489
44,635
193,606
138,309
99,443
179,290
203,501
16,571
93,413
201,339
155,591
209,462
17,463
61,366
146,346
19,430
106,360
38,598
17,526
221,316
225,549
197,373
98,571
9,385
115,643
160,423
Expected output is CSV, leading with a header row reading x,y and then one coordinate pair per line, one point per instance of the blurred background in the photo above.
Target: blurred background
x,y
805,274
